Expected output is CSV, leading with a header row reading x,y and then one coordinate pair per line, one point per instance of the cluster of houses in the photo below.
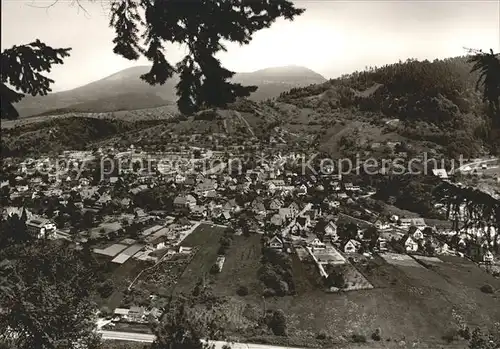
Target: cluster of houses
x,y
272,196
413,235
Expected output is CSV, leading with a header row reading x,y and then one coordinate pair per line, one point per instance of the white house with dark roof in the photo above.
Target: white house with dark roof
x,y
41,227
410,244
275,243
352,246
416,233
488,257
316,244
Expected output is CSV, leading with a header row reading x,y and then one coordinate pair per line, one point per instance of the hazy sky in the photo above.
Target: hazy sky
x,y
331,37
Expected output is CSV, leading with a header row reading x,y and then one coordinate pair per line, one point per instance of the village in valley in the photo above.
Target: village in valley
x,y
250,175
167,226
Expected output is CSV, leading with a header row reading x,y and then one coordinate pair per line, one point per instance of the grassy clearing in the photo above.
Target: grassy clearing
x,y
207,238
306,275
161,280
407,302
403,260
464,280
240,267
121,275
414,303
354,280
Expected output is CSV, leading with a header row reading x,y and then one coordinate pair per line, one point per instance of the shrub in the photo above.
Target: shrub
x,y
450,336
358,338
335,279
222,251
487,288
277,323
242,291
283,288
376,335
214,269
465,333
105,311
322,335
105,289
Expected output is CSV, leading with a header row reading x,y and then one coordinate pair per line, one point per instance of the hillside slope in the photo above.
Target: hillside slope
x,y
56,135
433,103
428,107
124,90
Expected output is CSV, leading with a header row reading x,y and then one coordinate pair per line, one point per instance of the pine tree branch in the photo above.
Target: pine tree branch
x,y
21,68
200,26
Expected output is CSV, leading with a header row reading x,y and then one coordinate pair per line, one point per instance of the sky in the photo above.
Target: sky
x,y
331,37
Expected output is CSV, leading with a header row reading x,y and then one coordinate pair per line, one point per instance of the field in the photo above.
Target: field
x,y
410,300
241,266
400,260
207,237
164,112
330,255
354,280
161,280
121,275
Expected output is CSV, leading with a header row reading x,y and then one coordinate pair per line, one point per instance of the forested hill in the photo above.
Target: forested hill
x,y
406,90
424,95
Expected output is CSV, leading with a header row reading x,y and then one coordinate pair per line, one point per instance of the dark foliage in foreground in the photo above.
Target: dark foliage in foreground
x,y
200,26
45,296
22,68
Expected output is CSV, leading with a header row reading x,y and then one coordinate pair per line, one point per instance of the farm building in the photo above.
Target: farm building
x,y
112,250
126,254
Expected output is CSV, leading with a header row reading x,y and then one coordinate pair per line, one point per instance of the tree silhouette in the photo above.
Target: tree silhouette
x,y
488,67
13,231
182,327
200,26
45,297
21,69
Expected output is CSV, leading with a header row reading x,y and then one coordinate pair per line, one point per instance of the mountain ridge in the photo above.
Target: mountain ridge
x,y
128,90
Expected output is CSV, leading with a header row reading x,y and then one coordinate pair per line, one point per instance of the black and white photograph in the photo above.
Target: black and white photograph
x,y
250,174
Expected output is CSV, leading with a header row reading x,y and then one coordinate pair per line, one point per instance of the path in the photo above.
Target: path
x,y
322,270
243,120
472,165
